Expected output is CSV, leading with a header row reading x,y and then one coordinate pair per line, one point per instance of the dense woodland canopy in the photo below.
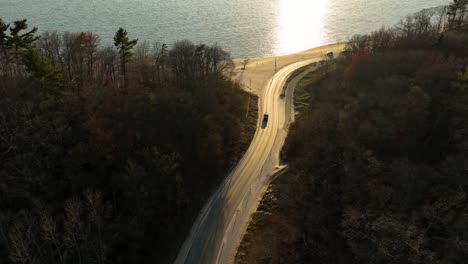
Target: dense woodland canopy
x,y
108,153
383,148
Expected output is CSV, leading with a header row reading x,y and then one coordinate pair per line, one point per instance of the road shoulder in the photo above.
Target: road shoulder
x,y
274,234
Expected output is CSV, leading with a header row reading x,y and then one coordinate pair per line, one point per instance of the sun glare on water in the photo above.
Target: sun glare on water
x,y
300,25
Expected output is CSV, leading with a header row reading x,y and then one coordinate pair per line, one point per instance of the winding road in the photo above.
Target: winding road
x,y
217,232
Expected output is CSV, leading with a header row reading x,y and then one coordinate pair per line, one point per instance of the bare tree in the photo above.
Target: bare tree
x,y
457,13
358,42
406,26
440,18
142,61
382,39
50,45
220,60
108,63
181,59
423,21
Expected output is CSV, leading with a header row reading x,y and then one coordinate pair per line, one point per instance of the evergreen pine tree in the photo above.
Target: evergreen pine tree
x,y
3,49
125,47
3,36
19,41
50,79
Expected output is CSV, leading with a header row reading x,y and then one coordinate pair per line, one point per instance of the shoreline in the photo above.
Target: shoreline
x,y
285,55
261,69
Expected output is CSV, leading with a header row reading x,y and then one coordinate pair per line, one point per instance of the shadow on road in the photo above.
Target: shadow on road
x,y
207,240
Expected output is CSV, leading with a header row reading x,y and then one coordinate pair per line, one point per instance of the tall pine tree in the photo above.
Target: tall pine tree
x,y
125,47
18,41
4,61
3,36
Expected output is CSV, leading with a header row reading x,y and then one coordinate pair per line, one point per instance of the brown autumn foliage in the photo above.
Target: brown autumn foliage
x,y
379,158
383,151
96,171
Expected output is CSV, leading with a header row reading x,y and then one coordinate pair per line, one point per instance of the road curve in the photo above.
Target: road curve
x,y
218,229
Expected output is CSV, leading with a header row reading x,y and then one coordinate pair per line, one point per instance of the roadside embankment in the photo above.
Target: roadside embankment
x,y
275,231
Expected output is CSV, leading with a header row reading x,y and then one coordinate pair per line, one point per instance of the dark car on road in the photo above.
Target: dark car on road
x,y
265,120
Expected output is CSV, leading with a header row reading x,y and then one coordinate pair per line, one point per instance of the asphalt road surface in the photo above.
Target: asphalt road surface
x,y
216,233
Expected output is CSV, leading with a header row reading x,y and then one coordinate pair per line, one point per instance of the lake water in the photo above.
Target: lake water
x,y
246,28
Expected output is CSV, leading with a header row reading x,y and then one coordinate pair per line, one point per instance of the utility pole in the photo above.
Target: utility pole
x,y
248,106
275,64
248,100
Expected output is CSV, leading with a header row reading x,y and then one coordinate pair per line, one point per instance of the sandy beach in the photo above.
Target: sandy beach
x,y
261,70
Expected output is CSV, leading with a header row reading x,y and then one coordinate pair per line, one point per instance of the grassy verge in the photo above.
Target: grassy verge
x,y
302,92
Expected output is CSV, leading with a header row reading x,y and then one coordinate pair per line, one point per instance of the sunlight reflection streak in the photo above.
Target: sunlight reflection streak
x,y
300,25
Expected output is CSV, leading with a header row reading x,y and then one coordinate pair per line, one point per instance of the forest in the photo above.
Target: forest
x,y
107,153
378,161
384,146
